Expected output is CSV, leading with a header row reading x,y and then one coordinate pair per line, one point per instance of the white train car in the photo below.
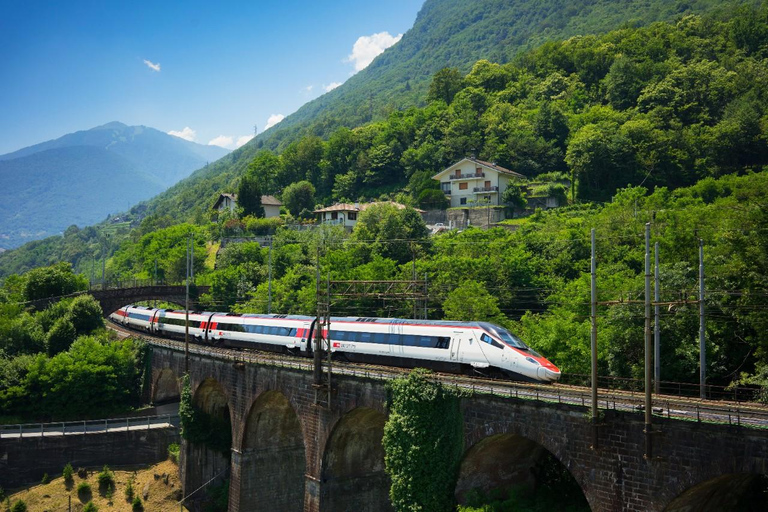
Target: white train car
x,y
137,317
173,323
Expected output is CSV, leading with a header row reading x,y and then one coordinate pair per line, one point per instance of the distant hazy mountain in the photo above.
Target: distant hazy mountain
x,y
81,177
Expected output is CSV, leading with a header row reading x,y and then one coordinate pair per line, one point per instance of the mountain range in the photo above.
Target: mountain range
x,y
82,177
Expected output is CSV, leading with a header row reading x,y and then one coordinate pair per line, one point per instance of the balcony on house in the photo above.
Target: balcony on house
x,y
469,176
485,189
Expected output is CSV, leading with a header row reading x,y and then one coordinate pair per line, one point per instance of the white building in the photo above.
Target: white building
x,y
472,182
346,214
229,202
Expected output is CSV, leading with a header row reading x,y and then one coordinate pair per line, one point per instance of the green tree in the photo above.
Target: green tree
x,y
298,197
249,195
445,84
395,233
469,302
61,336
53,281
513,196
86,314
266,166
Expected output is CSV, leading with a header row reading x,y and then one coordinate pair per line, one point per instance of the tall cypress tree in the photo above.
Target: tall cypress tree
x,y
249,195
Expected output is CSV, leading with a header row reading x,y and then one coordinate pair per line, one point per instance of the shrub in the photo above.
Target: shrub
x,y
106,477
90,507
129,490
19,506
137,506
173,452
83,489
2,494
46,479
67,472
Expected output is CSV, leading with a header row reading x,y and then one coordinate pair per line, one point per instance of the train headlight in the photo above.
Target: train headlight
x,y
532,361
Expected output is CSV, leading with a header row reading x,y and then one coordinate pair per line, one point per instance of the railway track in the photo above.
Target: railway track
x,y
743,414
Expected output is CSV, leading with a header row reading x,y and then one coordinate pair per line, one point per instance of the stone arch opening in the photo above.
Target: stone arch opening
x,y
746,492
209,450
166,388
273,459
512,467
353,476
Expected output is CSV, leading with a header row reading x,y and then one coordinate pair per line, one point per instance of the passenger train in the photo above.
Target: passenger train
x,y
442,345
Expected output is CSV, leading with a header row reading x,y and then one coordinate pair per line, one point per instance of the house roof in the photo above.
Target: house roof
x,y
488,165
265,200
358,207
270,201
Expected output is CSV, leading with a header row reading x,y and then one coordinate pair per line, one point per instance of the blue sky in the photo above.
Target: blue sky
x,y
209,71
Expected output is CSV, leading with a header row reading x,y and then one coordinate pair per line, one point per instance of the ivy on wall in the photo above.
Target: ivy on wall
x,y
197,426
423,443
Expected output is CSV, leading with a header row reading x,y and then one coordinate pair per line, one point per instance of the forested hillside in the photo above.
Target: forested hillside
x,y
447,33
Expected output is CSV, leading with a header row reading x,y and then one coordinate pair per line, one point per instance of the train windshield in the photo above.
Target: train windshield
x,y
506,336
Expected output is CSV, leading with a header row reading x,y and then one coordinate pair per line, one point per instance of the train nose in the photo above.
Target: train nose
x,y
548,375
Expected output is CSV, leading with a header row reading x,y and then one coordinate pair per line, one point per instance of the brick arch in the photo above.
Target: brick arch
x,y
165,387
272,455
740,491
202,462
353,475
505,453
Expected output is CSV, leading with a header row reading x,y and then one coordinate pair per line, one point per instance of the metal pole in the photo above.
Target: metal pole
x,y
186,318
702,323
317,370
269,285
593,339
192,257
656,326
648,410
155,281
426,296
413,277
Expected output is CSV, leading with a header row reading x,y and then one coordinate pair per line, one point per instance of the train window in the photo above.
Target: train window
x,y
292,332
409,340
443,342
487,339
381,337
366,337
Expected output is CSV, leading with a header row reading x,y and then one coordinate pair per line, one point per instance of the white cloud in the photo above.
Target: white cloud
x,y
151,65
225,141
367,48
309,88
331,86
187,134
242,140
273,120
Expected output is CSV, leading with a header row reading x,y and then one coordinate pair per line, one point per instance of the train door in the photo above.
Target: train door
x,y
396,332
310,339
304,344
458,340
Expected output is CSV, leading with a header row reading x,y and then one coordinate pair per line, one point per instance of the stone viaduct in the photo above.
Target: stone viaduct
x,y
114,298
287,453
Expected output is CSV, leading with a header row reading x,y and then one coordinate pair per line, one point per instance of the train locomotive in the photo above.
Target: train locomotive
x,y
442,345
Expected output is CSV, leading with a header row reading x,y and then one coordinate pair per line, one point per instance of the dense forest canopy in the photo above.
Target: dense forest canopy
x,y
446,33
